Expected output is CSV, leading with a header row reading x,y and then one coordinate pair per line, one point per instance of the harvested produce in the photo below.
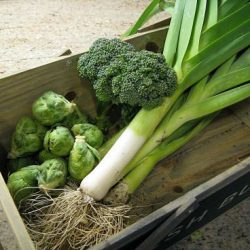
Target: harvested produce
x,y
51,108
82,159
58,141
23,182
191,64
100,54
27,138
91,133
134,78
52,174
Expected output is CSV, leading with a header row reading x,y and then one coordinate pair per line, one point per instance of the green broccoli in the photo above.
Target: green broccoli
x,y
100,54
121,75
137,79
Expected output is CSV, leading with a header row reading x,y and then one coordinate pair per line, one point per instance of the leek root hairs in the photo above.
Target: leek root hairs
x,y
71,219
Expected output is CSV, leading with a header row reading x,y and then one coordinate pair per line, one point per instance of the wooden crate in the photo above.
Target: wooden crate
x,y
186,190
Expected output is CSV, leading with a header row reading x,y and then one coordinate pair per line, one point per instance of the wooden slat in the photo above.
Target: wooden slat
x,y
22,237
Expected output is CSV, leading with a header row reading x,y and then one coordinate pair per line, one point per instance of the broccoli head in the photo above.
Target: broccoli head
x,y
121,75
136,78
100,54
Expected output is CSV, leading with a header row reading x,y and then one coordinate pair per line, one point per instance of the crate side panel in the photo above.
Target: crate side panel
x,y
18,92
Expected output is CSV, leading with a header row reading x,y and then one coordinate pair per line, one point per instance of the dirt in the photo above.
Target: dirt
x,y
34,32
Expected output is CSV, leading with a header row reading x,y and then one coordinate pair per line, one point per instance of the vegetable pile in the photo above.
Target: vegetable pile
x,y
56,141
165,99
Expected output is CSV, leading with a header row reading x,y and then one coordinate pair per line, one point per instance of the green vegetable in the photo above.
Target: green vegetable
x,y
51,108
16,164
192,63
155,7
27,138
58,141
228,85
53,174
100,54
129,77
137,79
23,183
129,184
92,134
76,117
44,155
81,160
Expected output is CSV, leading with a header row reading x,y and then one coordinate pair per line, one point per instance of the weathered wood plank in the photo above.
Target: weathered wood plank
x,y
15,221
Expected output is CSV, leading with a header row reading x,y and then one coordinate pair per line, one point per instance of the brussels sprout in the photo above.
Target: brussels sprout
x,y
16,164
93,135
23,182
59,141
51,108
81,159
27,138
75,117
52,174
45,155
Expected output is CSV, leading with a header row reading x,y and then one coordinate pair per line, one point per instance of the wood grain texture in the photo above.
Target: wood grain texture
x,y
14,219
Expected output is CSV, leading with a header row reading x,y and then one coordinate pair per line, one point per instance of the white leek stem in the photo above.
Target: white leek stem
x,y
107,172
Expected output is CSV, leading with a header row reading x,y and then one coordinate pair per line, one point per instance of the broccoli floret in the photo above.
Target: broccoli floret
x,y
121,75
137,79
100,54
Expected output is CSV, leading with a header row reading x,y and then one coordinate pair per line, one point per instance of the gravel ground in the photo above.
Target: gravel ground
x,y
33,32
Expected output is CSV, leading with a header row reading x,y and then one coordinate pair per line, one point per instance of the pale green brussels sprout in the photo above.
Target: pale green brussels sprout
x,y
23,182
58,141
27,138
51,108
44,155
93,135
53,174
75,117
82,159
15,164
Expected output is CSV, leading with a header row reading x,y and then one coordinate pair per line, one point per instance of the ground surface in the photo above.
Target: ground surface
x,y
33,32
